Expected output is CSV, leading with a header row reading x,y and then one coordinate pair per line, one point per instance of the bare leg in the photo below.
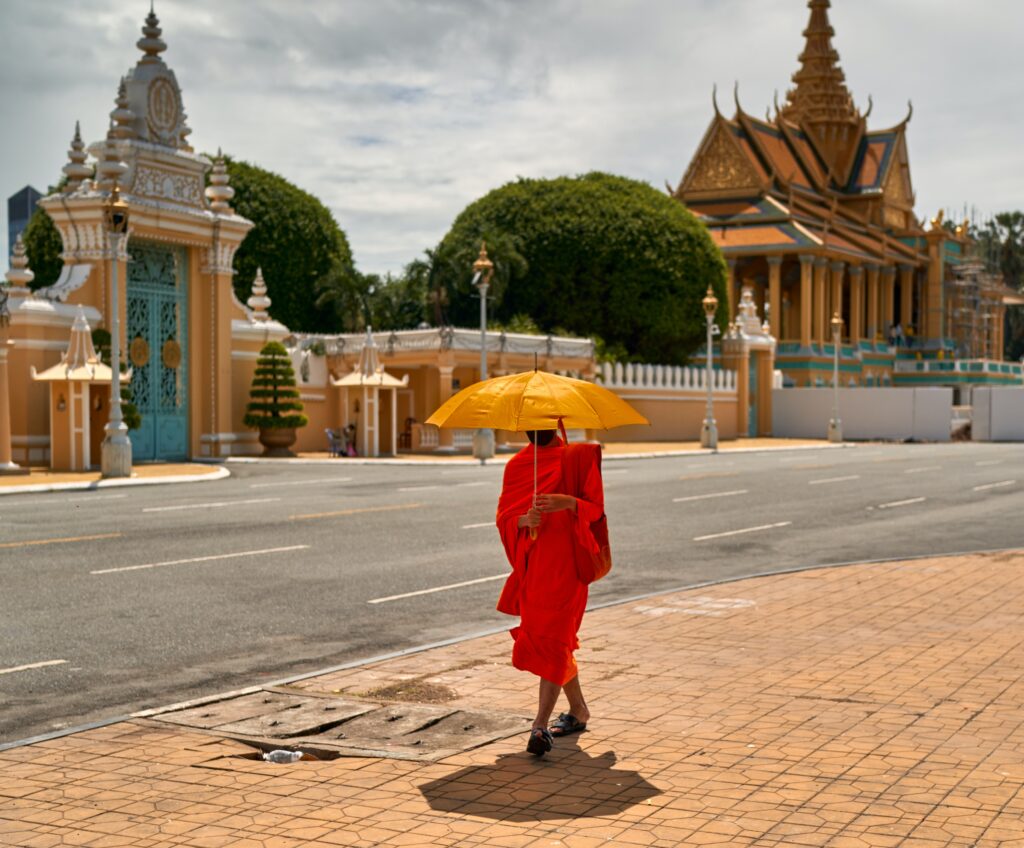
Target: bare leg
x,y
577,705
548,697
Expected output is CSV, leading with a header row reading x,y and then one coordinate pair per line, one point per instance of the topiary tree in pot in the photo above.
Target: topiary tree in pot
x,y
274,406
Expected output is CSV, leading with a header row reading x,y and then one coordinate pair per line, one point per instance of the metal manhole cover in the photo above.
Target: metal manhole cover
x,y
349,726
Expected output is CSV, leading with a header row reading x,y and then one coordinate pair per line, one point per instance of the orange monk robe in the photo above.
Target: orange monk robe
x,y
545,588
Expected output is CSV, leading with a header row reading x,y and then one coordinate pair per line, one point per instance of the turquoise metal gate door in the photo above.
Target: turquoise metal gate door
x,y
157,338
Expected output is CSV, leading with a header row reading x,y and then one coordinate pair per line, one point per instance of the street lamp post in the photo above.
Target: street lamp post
x,y
835,426
116,450
483,270
709,430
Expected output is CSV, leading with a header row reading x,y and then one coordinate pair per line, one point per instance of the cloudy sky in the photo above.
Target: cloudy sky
x,y
398,113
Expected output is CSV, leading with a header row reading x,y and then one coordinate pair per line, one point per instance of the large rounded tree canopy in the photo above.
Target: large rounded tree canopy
x,y
296,241
596,255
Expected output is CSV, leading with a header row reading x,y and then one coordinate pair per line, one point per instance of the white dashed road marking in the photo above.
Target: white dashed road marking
x,y
925,468
901,503
31,665
744,530
833,479
299,482
711,495
474,526
998,485
212,505
438,589
201,559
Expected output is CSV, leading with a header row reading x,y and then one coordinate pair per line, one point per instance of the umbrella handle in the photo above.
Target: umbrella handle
x,y
533,532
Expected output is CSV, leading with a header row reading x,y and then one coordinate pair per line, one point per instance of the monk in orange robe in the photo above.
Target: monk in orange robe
x,y
557,545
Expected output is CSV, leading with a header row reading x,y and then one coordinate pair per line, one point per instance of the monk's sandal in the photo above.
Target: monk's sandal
x,y
540,742
567,724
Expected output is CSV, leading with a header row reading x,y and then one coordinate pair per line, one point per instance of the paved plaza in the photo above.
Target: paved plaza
x,y
869,705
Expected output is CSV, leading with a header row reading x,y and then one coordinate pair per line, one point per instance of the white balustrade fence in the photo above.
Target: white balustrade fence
x,y
635,375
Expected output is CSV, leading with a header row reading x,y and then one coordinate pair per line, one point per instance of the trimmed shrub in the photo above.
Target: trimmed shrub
x,y
274,399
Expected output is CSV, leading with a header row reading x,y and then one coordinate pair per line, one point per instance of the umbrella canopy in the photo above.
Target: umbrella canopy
x,y
535,400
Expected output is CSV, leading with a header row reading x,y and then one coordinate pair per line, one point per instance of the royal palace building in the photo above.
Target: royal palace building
x,y
814,211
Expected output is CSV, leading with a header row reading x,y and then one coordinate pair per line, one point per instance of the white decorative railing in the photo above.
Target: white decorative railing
x,y
635,375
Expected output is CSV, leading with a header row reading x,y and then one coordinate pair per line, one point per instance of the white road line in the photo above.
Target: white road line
x,y
31,665
744,530
923,468
417,488
711,495
989,462
833,479
478,483
998,485
51,501
901,503
212,505
299,482
438,589
715,464
201,559
474,526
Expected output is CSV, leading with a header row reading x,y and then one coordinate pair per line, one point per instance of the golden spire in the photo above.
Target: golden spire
x,y
820,95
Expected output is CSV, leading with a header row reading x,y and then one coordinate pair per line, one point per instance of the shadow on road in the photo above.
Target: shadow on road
x,y
567,783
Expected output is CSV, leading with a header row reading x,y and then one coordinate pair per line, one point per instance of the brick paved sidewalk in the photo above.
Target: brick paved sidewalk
x,y
871,705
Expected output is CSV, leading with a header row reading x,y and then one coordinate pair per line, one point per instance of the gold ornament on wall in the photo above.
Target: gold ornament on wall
x,y
138,352
171,354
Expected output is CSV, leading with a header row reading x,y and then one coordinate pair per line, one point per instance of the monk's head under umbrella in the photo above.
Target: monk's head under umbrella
x,y
541,438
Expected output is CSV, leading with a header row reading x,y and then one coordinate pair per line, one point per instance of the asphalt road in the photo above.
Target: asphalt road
x,y
131,598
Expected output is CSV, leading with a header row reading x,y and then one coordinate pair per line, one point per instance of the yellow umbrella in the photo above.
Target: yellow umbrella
x,y
535,400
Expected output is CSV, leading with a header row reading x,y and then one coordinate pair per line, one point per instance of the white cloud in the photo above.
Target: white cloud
x,y
398,113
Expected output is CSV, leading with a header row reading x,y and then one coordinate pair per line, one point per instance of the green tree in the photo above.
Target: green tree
x,y
597,255
43,245
296,242
274,399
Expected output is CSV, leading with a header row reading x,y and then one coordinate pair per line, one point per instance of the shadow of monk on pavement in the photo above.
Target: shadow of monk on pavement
x,y
567,784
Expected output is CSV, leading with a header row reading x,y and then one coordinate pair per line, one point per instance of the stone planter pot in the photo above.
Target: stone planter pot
x,y
277,441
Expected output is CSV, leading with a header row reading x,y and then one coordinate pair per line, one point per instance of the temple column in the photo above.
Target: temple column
x,y
806,323
856,304
731,286
906,295
888,292
931,317
872,329
775,295
837,290
7,464
446,436
820,302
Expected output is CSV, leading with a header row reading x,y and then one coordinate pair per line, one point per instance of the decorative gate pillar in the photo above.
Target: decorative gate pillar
x,y
748,348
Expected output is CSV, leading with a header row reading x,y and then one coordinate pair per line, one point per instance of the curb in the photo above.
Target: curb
x,y
455,640
219,474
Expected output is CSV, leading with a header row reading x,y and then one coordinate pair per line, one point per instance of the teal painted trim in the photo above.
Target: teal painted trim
x,y
807,365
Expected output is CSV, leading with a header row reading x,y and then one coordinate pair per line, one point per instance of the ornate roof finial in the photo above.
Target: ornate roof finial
x,y
122,118
714,99
76,170
820,95
369,362
110,168
218,192
19,275
258,302
151,44
80,352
